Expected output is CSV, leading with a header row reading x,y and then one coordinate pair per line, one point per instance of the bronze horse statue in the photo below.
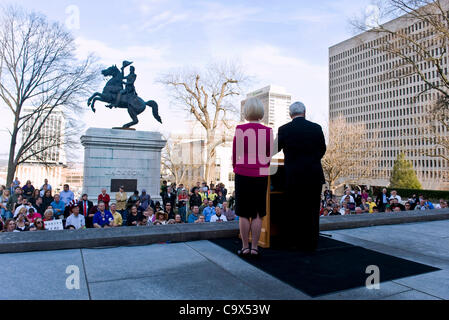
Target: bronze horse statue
x,y
129,100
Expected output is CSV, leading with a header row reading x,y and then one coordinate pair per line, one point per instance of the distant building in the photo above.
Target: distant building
x,y
276,101
365,86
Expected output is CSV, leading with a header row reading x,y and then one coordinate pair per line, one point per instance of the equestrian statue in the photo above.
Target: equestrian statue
x,y
120,92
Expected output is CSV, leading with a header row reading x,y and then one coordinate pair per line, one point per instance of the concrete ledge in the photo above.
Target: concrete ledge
x,y
124,236
382,218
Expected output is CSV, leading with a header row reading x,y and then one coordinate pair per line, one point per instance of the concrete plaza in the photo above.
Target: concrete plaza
x,y
202,270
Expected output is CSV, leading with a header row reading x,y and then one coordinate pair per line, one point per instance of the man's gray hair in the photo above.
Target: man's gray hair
x,y
297,108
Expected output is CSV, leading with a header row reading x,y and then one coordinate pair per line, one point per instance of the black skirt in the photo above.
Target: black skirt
x,y
250,196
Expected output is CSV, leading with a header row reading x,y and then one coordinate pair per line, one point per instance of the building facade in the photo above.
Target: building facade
x,y
375,88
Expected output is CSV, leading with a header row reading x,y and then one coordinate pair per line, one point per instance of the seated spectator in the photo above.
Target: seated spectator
x,y
38,225
171,221
424,204
104,197
28,190
347,196
388,208
343,208
169,210
178,219
103,218
162,217
396,209
70,227
32,215
34,197
21,223
358,210
150,216
395,204
394,195
134,217
118,219
48,215
347,211
194,215
58,207
218,217
228,213
371,205
26,205
209,211
39,206
195,199
157,207
75,219
441,205
375,209
204,205
325,212
47,199
364,206
407,206
201,219
132,200
10,226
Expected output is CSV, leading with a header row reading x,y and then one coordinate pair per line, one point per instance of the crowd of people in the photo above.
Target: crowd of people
x,y
362,201
26,208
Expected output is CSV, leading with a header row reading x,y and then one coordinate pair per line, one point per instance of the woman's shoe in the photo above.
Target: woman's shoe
x,y
245,252
255,256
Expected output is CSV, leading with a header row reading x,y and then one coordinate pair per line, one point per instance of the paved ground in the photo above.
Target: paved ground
x,y
202,270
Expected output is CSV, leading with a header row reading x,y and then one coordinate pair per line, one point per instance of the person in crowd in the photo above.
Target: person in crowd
x,y
162,218
358,210
388,209
21,222
251,161
48,215
38,225
145,200
396,209
151,217
33,215
140,208
46,186
47,199
120,199
14,199
220,198
228,213
5,213
204,205
375,209
442,204
169,197
213,196
194,215
178,219
365,194
103,218
25,204
343,208
394,203
104,197
209,211
182,204
424,204
371,204
28,190
201,219
407,206
327,193
58,206
169,210
364,206
357,198
157,206
66,196
195,198
39,206
198,185
382,199
347,197
231,201
164,187
133,217
394,195
218,217
86,207
118,220
75,218
36,194
132,200
204,193
10,226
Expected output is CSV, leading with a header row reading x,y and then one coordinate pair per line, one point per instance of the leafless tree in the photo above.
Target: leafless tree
x,y
420,53
39,75
208,95
351,158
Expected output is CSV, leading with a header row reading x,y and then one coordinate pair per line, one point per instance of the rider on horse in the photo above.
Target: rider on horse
x,y
130,79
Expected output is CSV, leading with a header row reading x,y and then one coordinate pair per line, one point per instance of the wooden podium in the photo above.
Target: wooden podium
x,y
275,193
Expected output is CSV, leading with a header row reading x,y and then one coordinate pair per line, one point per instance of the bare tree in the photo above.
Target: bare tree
x,y
207,95
39,75
420,53
351,158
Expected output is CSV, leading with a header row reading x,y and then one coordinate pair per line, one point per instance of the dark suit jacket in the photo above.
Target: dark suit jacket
x,y
89,207
303,144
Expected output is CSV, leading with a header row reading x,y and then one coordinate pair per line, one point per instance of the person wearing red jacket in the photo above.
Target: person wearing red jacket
x,y
104,197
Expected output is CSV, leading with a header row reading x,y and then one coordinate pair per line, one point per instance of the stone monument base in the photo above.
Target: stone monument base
x,y
114,157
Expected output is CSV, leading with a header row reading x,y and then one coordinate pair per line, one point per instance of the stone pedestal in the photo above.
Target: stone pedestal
x,y
113,157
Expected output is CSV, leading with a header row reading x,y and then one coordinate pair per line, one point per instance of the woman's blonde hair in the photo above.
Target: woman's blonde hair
x,y
253,109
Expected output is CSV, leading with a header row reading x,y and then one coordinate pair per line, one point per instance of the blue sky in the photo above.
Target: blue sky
x,y
278,42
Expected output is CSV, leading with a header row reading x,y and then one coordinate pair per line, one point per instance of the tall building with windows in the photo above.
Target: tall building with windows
x,y
375,88
276,101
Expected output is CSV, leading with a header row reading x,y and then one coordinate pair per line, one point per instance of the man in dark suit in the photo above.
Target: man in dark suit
x,y
86,210
303,145
382,199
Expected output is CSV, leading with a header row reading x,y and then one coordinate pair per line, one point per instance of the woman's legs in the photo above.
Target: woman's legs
x,y
244,231
256,227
